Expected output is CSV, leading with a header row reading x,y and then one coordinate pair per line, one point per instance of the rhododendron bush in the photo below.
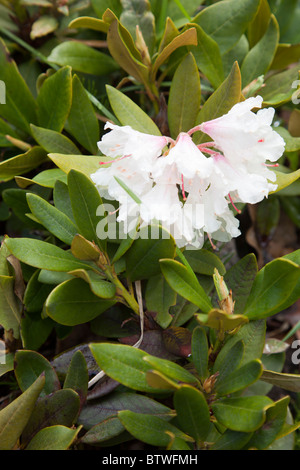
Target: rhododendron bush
x,y
150,250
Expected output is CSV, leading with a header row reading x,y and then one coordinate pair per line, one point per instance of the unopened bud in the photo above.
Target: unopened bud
x,y
209,383
142,46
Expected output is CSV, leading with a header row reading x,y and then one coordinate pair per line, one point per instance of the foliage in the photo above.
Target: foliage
x,y
180,336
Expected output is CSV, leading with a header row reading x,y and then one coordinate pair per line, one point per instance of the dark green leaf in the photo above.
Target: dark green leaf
x,y
200,351
273,287
240,378
43,255
58,408
82,119
225,22
208,57
73,302
129,113
185,97
192,412
142,259
150,429
29,365
54,99
53,141
183,282
52,219
77,376
85,201
244,414
159,298
124,364
107,407
82,58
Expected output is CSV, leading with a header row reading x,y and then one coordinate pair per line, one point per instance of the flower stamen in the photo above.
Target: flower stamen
x,y
233,205
115,160
182,188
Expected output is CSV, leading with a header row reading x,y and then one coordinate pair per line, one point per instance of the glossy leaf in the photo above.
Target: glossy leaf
x,y
53,141
124,364
170,369
204,262
244,414
208,57
272,287
253,337
86,164
185,284
73,302
90,23
82,58
159,298
84,249
285,179
240,378
142,259
99,287
259,25
85,201
192,412
82,120
20,106
231,440
277,88
150,429
184,97
53,438
158,380
103,431
220,320
29,365
14,417
228,360
77,376
260,57
289,382
239,278
22,163
129,113
200,351
54,100
52,219
10,308
275,420
44,25
43,255
226,21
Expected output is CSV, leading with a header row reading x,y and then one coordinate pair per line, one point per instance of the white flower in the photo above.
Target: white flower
x,y
244,137
125,141
247,187
186,157
126,170
190,189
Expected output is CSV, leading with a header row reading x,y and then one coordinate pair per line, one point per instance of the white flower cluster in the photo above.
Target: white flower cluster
x,y
192,189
